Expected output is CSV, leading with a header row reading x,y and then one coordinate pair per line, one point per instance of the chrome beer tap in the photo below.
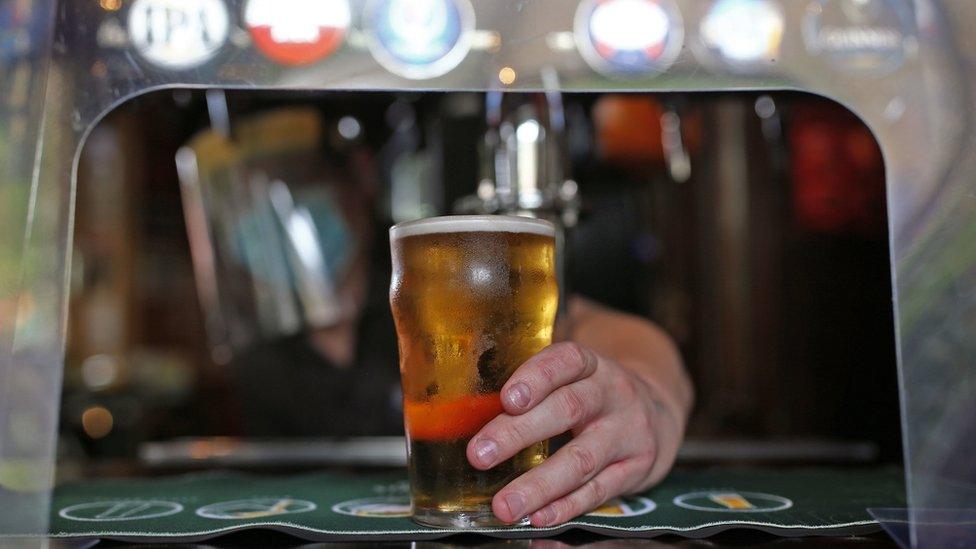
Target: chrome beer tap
x,y
525,167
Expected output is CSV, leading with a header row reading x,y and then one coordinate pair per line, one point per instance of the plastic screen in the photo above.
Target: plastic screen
x,y
906,68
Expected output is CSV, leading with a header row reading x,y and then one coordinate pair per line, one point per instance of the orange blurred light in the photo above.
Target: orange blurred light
x,y
97,421
110,5
215,447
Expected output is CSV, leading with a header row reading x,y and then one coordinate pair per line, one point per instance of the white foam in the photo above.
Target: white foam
x,y
471,224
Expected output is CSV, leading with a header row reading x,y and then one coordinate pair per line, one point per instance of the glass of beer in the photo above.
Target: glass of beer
x,y
473,297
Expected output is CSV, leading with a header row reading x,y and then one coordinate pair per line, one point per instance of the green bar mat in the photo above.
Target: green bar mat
x,y
336,507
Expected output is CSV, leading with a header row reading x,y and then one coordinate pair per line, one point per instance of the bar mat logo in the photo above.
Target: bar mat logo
x,y
255,508
730,501
624,507
376,507
116,510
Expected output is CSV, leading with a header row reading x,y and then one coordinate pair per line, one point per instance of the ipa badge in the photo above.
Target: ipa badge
x,y
178,34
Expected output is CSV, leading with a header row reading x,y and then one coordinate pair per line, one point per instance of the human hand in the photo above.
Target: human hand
x,y
625,434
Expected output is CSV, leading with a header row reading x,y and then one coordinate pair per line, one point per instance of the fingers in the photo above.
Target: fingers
x,y
553,367
609,483
566,471
504,436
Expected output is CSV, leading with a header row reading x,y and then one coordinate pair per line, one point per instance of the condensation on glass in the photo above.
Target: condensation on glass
x,y
904,67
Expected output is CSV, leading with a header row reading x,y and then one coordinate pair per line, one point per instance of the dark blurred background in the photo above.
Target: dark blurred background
x,y
758,240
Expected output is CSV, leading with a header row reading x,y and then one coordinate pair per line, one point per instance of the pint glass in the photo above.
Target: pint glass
x,y
473,297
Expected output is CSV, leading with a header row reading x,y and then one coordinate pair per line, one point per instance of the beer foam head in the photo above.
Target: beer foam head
x,y
471,224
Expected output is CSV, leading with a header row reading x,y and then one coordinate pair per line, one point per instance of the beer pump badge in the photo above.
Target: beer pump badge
x,y
860,35
629,37
419,39
178,34
297,32
743,33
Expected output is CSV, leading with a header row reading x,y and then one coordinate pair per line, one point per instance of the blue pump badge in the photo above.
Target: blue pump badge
x,y
629,37
419,39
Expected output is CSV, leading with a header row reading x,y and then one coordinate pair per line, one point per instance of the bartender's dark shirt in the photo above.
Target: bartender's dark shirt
x,y
288,389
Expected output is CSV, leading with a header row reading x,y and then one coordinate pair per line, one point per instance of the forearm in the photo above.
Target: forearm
x,y
638,345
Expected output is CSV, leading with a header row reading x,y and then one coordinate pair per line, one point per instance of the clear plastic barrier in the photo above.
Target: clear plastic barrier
x,y
906,68
30,357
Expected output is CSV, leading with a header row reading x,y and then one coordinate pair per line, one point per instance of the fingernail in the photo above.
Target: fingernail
x,y
545,516
519,395
516,503
486,450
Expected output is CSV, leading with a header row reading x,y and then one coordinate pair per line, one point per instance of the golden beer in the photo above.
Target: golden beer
x,y
473,297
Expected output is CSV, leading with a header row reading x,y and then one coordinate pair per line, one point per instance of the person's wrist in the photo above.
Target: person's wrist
x,y
668,419
664,402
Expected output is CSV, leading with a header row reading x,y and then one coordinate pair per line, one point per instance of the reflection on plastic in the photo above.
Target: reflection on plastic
x,y
860,35
931,527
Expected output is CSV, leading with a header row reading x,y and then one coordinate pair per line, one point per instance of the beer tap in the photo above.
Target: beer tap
x,y
525,167
675,153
